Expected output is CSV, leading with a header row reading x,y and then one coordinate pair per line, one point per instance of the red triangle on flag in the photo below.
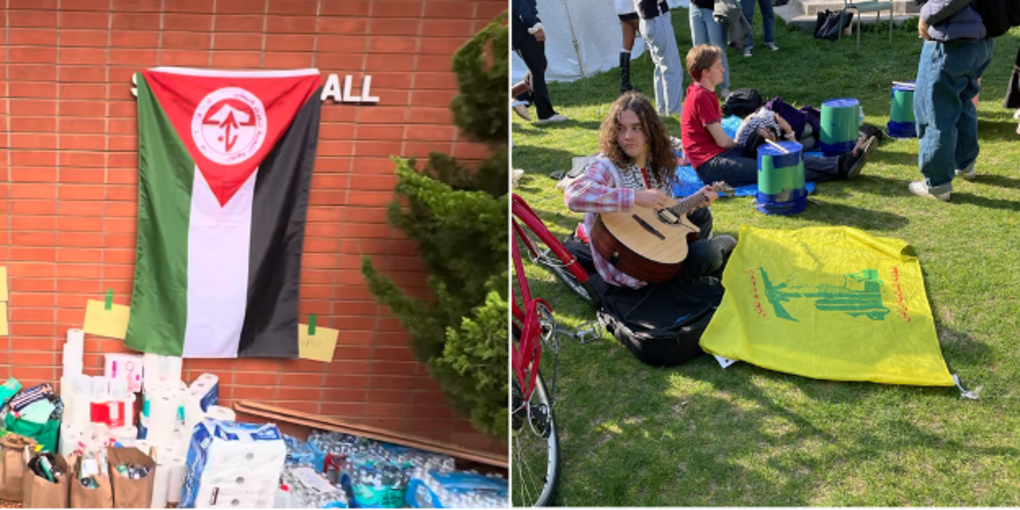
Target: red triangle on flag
x,y
230,120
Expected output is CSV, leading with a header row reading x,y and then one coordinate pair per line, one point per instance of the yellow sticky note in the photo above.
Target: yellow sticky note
x,y
110,323
3,319
319,346
3,284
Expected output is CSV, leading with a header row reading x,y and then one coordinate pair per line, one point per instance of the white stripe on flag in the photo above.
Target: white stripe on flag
x,y
219,241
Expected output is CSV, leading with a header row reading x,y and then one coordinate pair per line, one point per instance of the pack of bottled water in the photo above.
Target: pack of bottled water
x,y
458,489
373,482
304,488
413,458
299,453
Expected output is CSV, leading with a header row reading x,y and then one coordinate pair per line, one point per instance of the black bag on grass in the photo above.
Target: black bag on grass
x,y
661,323
830,23
742,102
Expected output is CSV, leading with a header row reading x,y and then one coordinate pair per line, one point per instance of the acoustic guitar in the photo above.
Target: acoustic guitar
x,y
650,244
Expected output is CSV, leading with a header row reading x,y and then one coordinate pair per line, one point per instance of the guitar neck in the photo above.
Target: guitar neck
x,y
689,204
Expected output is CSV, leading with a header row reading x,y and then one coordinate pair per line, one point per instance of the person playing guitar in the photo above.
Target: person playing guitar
x,y
634,169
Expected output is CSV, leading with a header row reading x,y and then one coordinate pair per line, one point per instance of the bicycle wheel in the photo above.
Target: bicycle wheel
x,y
536,448
545,257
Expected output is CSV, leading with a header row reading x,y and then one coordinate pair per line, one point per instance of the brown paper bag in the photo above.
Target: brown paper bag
x,y
42,493
85,497
128,493
12,465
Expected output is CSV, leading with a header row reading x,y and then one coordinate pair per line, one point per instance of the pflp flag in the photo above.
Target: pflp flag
x,y
225,165
829,303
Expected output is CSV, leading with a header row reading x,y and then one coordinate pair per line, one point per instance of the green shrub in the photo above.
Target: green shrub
x,y
457,216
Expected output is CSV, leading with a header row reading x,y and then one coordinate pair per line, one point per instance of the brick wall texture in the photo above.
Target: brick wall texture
x,y
68,165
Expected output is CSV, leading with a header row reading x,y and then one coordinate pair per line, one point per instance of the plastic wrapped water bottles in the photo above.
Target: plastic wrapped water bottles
x,y
414,458
459,489
309,489
299,453
372,482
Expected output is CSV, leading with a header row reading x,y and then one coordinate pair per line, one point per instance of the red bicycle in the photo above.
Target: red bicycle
x,y
535,440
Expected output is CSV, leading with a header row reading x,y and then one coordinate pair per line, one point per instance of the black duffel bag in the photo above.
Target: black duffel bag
x,y
660,323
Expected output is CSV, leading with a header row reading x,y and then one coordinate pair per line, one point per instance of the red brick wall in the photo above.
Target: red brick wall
x,y
68,162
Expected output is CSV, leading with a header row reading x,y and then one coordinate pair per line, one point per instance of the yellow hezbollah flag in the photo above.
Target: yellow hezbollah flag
x,y
829,303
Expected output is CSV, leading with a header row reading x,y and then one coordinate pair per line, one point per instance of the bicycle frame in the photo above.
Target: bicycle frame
x,y
527,353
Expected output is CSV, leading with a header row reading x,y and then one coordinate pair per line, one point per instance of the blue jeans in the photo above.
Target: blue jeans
x,y
768,19
705,30
943,107
734,169
668,77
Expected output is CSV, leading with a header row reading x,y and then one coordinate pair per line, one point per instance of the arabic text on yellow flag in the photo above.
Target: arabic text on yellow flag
x,y
829,303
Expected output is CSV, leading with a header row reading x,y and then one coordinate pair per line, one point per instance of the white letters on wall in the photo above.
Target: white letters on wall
x,y
331,90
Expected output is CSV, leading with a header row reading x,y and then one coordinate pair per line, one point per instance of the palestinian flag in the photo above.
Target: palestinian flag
x,y
225,164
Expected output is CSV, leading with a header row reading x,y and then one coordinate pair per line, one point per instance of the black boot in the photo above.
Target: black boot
x,y
625,73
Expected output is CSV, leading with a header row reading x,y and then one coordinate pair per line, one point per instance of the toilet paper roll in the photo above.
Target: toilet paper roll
x,y
193,415
221,413
207,389
76,337
67,396
71,360
100,388
177,472
160,486
162,417
79,413
161,370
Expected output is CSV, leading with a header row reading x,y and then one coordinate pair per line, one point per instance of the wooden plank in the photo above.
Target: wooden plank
x,y
327,423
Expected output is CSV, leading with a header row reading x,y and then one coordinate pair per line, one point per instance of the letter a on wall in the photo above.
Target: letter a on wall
x,y
225,165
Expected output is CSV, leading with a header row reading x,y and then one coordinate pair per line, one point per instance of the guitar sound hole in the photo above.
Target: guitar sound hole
x,y
667,216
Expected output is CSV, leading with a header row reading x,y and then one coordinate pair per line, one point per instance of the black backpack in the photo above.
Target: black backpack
x,y
998,15
742,102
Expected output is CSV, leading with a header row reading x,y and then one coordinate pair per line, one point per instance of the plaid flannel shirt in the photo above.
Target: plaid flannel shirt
x,y
596,192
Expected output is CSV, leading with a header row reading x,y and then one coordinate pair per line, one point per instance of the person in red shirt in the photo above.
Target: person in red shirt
x,y
716,157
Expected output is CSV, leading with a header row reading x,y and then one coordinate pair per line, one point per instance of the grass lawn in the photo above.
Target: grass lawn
x,y
697,435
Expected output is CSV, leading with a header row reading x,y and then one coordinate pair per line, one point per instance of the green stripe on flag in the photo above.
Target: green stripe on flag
x,y
159,304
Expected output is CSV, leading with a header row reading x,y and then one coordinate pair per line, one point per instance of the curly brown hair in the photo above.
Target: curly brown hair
x,y
661,160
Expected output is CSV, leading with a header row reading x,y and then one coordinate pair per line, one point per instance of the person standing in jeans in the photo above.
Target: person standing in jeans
x,y
705,30
528,40
955,54
768,21
668,78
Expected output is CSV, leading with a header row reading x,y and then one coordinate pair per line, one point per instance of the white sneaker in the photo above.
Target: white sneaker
x,y
921,189
747,52
554,118
967,174
772,46
522,111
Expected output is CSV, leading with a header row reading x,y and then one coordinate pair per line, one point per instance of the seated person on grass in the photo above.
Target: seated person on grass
x,y
634,167
716,157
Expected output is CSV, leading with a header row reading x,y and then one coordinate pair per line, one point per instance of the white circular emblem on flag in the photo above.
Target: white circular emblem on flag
x,y
229,125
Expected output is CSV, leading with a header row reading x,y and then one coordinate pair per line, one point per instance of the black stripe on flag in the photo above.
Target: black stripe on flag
x,y
279,212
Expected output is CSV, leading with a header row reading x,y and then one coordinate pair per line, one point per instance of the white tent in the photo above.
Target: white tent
x,y
583,37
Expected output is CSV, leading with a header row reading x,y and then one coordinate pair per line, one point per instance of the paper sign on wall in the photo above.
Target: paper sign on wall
x,y
3,319
3,284
318,346
110,323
